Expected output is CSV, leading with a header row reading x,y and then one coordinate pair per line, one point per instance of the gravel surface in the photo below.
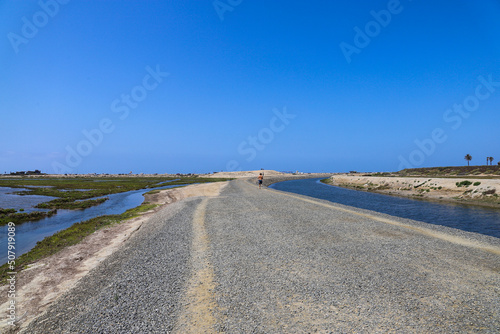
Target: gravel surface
x,y
286,264
135,290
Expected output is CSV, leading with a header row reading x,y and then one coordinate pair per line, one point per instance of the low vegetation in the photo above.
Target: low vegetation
x,y
463,183
70,236
68,204
81,192
490,192
11,215
454,171
487,171
79,188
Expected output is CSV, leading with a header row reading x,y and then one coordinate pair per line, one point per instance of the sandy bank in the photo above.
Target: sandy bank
x,y
44,281
478,192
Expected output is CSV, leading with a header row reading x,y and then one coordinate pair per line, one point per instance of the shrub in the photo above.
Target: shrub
x,y
476,183
489,192
463,183
7,211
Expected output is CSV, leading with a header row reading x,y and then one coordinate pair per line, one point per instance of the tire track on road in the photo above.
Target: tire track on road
x,y
198,304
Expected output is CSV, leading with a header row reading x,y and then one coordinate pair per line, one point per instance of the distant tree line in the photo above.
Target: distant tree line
x,y
489,160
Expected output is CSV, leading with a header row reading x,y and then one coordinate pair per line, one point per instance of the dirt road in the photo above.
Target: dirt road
x,y
263,261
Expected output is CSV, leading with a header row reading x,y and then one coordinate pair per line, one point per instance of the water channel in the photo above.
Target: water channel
x,y
28,233
464,217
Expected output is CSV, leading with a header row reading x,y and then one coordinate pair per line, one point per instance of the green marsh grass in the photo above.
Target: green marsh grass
x,y
77,232
70,236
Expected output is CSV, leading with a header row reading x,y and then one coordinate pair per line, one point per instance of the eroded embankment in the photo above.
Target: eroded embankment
x,y
461,190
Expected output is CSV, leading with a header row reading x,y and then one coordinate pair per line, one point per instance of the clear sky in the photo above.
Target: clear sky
x,y
203,86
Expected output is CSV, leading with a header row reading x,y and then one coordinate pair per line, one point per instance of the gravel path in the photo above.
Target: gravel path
x,y
263,261
135,290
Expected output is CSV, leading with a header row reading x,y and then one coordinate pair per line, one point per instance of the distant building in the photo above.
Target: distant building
x,y
30,172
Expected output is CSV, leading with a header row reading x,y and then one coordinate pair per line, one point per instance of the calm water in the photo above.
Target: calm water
x,y
467,218
8,200
27,234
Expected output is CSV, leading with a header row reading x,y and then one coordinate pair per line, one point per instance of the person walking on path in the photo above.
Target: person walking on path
x,y
260,178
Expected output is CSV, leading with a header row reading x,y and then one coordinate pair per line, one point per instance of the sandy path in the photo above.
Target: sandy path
x,y
44,281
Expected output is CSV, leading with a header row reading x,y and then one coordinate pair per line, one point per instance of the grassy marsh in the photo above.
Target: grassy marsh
x,y
80,190
70,236
10,215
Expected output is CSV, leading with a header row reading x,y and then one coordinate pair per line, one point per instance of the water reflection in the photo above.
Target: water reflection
x,y
9,200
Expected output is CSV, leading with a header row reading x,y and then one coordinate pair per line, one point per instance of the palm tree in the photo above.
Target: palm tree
x,y
468,158
491,160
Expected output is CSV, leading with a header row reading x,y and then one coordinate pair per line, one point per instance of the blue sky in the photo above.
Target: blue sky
x,y
203,86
